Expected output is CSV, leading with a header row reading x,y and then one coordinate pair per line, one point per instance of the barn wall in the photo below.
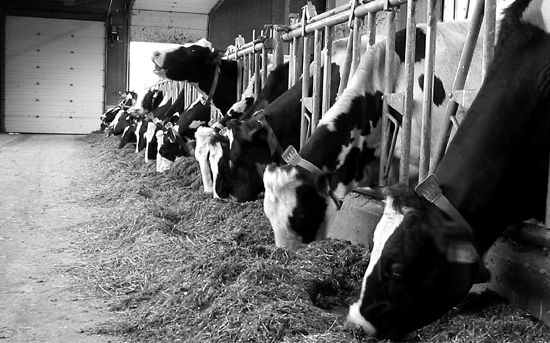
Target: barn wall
x,y
234,17
167,27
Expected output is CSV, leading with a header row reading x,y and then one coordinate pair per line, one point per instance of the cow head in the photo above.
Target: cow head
x,y
417,270
248,147
171,146
151,143
128,136
189,62
152,99
299,204
211,153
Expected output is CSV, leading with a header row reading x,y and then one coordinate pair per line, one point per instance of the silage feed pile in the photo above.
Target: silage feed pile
x,y
177,265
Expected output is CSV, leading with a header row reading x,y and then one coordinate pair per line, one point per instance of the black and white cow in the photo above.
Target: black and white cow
x,y
344,148
214,149
127,100
178,140
427,252
253,141
198,63
211,151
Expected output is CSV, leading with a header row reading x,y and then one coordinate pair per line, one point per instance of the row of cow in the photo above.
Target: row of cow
x,y
427,248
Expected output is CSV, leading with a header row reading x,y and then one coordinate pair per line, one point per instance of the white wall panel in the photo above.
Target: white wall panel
x,y
54,75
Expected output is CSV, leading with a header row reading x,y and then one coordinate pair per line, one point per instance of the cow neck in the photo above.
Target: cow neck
x,y
214,84
292,157
501,141
272,141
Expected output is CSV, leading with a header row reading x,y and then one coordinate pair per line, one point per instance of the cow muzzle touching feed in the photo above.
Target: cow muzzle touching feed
x,y
415,273
290,216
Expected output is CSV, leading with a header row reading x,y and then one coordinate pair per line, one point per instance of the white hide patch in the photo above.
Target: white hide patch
x,y
368,78
151,128
202,137
538,14
138,129
214,155
195,124
163,164
387,225
279,202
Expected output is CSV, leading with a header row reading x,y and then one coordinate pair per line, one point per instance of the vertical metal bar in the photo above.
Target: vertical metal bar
x,y
305,91
459,81
239,70
278,52
246,71
299,56
547,217
316,115
371,28
425,141
292,62
347,64
257,76
294,51
327,82
388,88
409,84
489,34
264,65
357,32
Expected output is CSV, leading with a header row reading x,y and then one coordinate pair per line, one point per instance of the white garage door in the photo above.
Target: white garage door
x,y
54,75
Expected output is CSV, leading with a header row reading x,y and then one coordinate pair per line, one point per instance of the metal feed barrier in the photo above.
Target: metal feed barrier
x,y
311,32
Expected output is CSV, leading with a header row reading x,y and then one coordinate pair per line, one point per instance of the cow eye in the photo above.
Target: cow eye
x,y
396,271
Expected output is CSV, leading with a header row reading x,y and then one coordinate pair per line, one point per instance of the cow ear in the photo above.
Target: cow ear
x,y
257,133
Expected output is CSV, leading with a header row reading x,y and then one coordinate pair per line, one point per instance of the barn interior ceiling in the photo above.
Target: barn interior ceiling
x,y
102,6
183,6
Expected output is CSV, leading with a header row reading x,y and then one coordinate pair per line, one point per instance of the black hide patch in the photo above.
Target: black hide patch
x,y
419,48
305,217
439,90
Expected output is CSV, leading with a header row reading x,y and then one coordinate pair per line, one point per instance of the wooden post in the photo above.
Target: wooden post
x,y
385,160
409,85
459,81
327,82
425,141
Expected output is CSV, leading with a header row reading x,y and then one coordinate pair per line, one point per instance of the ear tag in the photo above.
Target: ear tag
x,y
429,188
224,131
461,252
290,156
212,122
